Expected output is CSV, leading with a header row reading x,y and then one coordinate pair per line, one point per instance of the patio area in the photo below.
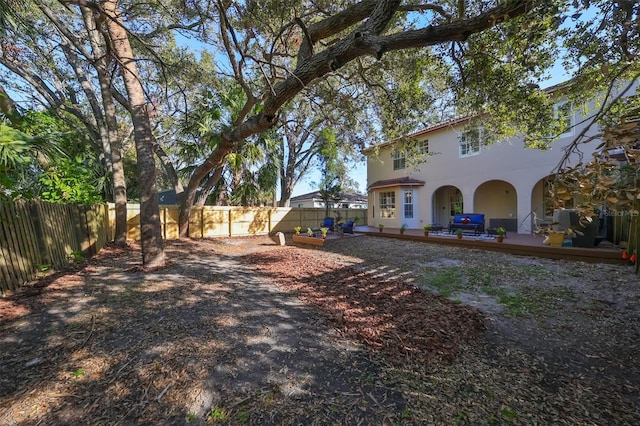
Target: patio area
x,y
518,244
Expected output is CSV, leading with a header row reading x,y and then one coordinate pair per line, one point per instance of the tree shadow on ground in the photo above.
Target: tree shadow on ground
x,y
205,338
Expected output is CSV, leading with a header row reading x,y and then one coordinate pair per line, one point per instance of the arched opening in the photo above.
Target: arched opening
x,y
498,200
447,201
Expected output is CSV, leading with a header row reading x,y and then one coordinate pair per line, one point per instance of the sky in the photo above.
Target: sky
x,y
359,169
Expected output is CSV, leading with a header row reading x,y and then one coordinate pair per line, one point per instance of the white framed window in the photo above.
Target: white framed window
x,y
423,147
388,204
564,111
399,160
408,204
470,141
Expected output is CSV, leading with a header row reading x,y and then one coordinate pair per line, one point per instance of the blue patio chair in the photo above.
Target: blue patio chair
x,y
347,228
328,223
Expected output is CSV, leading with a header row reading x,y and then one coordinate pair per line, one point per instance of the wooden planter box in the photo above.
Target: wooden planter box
x,y
303,239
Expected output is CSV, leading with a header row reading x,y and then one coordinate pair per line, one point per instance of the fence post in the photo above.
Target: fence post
x,y
40,234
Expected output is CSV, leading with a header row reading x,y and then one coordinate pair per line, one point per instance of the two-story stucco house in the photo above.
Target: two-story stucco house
x,y
504,181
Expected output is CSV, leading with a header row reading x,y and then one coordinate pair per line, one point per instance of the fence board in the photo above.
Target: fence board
x,y
21,223
133,222
225,221
10,280
170,222
214,223
33,233
19,274
52,225
55,239
100,227
36,233
28,232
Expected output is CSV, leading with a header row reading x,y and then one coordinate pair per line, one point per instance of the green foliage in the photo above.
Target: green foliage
x,y
77,373
70,181
56,165
508,414
76,256
498,72
217,415
15,146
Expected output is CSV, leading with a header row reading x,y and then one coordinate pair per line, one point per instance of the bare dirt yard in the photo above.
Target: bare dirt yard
x,y
366,330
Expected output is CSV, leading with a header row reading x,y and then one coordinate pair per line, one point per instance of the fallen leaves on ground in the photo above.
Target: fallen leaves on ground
x,y
405,324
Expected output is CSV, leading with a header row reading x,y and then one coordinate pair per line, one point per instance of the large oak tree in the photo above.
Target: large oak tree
x,y
490,55
328,40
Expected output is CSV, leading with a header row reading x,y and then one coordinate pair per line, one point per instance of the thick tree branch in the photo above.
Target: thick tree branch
x,y
366,41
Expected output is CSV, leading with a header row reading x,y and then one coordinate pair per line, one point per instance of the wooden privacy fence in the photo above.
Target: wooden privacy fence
x,y
36,236
221,221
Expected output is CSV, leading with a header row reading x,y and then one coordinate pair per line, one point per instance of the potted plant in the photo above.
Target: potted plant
x,y
380,227
427,228
324,231
500,232
556,237
309,232
340,231
403,228
459,233
298,229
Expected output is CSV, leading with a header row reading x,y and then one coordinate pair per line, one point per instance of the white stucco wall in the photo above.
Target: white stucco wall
x,y
509,173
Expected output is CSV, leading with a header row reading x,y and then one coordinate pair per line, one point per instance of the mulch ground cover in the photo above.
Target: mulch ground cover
x,y
242,331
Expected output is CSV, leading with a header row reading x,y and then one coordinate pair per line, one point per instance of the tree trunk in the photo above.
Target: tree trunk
x,y
150,227
7,107
113,147
209,185
215,160
285,190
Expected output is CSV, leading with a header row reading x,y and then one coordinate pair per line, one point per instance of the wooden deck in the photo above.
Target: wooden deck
x,y
519,244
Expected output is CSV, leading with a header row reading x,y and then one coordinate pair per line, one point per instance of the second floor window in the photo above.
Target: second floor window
x,y
388,204
423,147
423,150
399,160
470,142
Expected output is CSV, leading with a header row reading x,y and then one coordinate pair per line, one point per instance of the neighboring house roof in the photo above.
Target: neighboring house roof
x,y
167,197
343,197
389,183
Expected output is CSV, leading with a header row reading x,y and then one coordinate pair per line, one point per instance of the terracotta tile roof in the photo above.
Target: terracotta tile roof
x,y
404,181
